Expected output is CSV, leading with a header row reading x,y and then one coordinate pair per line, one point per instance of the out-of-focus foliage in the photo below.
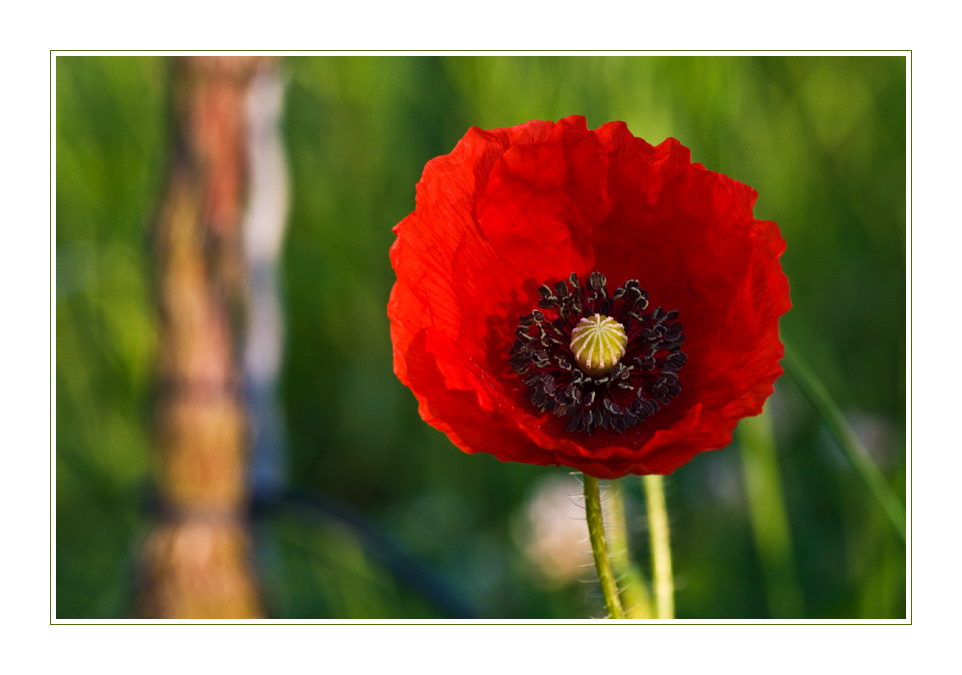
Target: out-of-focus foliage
x,y
822,140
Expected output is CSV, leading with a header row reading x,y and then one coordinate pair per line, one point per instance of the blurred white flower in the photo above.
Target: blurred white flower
x,y
552,531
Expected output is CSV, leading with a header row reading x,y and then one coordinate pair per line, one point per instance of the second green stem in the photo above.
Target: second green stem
x,y
660,546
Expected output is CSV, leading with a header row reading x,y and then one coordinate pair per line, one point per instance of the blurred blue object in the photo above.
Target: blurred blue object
x,y
264,224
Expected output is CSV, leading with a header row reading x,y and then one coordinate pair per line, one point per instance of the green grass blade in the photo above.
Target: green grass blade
x,y
635,598
847,440
770,526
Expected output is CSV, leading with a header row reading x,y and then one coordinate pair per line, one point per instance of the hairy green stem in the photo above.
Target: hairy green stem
x,y
660,547
599,546
847,440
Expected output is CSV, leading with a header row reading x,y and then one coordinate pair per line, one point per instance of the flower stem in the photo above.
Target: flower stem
x,y
847,440
660,547
599,546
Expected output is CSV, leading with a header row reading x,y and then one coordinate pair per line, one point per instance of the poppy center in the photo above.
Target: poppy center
x,y
599,360
598,344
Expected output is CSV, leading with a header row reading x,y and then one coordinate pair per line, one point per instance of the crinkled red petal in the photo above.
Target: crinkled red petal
x,y
511,209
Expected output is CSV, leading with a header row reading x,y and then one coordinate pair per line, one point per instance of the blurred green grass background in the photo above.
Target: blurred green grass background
x,y
822,140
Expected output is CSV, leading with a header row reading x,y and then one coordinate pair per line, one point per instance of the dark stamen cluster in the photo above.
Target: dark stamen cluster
x,y
623,397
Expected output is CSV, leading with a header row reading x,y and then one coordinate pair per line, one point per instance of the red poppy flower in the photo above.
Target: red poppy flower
x,y
582,298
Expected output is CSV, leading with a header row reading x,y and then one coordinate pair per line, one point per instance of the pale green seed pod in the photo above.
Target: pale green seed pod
x,y
598,343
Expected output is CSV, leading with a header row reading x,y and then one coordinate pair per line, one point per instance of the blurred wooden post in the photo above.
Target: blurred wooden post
x,y
197,558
